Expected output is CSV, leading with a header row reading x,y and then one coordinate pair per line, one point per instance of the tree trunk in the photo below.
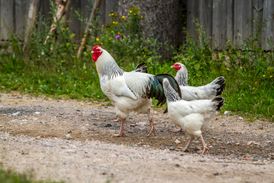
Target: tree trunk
x,y
162,20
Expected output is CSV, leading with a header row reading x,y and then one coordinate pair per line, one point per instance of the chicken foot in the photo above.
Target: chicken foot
x,y
205,148
122,129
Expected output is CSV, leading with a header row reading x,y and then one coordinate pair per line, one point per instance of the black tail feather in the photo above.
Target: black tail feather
x,y
221,82
219,101
157,90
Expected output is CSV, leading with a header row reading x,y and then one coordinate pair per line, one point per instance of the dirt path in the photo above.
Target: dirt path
x,y
72,141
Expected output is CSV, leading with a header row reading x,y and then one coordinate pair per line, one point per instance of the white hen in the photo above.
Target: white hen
x,y
190,115
208,91
129,91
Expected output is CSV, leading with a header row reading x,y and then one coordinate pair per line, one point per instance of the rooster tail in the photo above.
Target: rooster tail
x,y
141,68
218,102
157,90
220,82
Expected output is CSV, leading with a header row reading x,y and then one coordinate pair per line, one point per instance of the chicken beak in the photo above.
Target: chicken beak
x,y
172,66
92,51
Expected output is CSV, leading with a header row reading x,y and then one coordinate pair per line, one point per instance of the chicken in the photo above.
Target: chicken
x,y
141,68
190,115
129,91
208,91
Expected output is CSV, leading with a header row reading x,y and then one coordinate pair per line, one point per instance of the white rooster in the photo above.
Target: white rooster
x,y
190,115
129,91
208,91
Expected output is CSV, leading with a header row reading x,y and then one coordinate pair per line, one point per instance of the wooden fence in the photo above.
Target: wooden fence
x,y
222,20
13,15
232,20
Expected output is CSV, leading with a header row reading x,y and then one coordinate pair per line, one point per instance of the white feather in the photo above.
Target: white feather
x,y
138,82
190,115
196,93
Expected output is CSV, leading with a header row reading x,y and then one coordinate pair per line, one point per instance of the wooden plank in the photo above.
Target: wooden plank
x,y
242,21
31,22
21,8
192,17
6,19
44,9
268,28
257,20
229,21
110,6
205,16
101,12
74,22
86,7
219,24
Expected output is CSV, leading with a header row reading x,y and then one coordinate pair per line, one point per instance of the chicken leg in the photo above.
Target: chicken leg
x,y
205,148
122,129
188,143
151,123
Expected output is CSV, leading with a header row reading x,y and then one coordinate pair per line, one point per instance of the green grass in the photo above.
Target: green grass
x,y
7,176
244,93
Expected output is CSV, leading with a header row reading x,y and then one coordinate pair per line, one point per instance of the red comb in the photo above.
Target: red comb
x,y
95,46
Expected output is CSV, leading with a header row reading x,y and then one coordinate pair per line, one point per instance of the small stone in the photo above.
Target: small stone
x,y
252,143
143,124
177,165
24,153
227,113
222,124
177,141
171,148
261,127
68,136
37,113
216,174
16,113
255,158
43,122
108,125
240,118
237,143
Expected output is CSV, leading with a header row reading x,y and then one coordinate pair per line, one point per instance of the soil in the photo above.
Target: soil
x,y
73,141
